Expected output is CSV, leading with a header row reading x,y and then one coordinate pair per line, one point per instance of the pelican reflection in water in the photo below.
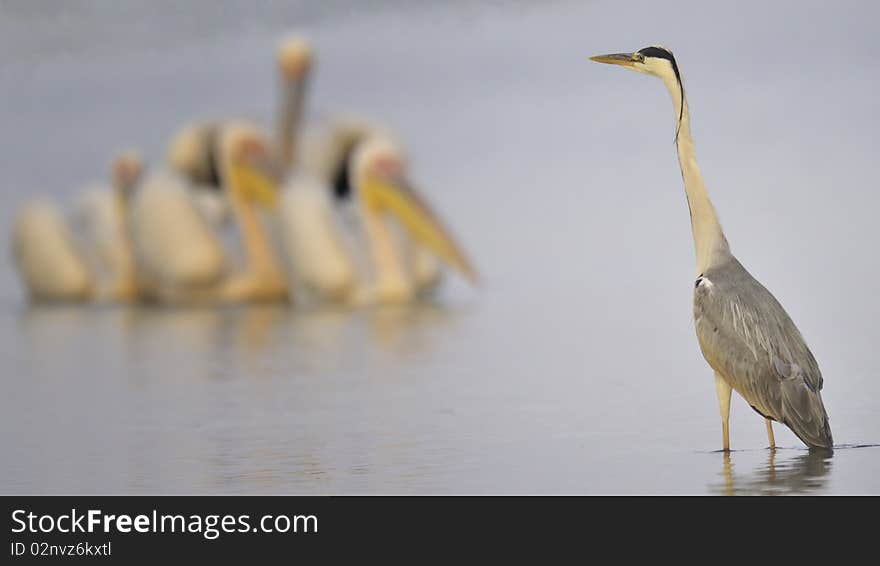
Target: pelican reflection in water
x,y
204,343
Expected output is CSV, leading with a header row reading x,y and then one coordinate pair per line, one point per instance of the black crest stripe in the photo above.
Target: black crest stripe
x,y
661,53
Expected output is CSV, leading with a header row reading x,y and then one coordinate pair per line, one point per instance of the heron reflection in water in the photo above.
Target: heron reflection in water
x,y
806,473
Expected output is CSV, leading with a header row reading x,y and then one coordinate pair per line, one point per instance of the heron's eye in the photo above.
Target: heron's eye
x,y
639,57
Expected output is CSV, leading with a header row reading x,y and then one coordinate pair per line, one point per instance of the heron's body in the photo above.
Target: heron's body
x,y
744,333
748,338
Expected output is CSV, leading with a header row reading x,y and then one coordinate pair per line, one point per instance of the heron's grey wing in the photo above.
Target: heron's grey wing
x,y
747,336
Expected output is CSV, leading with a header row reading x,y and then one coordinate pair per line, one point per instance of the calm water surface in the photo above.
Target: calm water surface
x,y
574,369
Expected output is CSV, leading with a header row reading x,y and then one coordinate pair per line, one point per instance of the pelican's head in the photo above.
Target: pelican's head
x,y
294,58
653,60
250,171
345,136
125,171
192,153
378,169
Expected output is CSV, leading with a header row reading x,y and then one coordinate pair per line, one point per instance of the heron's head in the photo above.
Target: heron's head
x,y
653,60
125,171
251,173
380,181
294,58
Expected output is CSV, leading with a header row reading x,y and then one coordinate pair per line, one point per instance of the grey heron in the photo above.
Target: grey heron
x,y
744,333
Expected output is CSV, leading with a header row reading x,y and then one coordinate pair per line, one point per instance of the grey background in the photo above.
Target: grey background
x,y
575,369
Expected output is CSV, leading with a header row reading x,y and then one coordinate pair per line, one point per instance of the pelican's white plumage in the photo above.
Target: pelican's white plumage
x,y
174,244
320,259
319,244
87,256
192,153
101,223
49,263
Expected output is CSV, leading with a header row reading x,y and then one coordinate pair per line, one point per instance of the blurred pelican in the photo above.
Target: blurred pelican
x,y
180,256
192,151
323,262
322,254
319,262
326,264
101,223
49,262
60,261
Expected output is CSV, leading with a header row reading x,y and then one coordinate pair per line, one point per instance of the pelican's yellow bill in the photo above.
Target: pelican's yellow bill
x,y
255,186
402,202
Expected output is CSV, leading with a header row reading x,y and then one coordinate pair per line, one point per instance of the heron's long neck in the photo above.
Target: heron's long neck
x,y
709,241
290,114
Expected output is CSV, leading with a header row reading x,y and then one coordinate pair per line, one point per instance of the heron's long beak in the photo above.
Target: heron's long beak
x,y
395,196
622,59
257,182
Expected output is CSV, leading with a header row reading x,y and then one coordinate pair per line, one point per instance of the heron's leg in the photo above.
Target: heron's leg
x,y
770,434
723,390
